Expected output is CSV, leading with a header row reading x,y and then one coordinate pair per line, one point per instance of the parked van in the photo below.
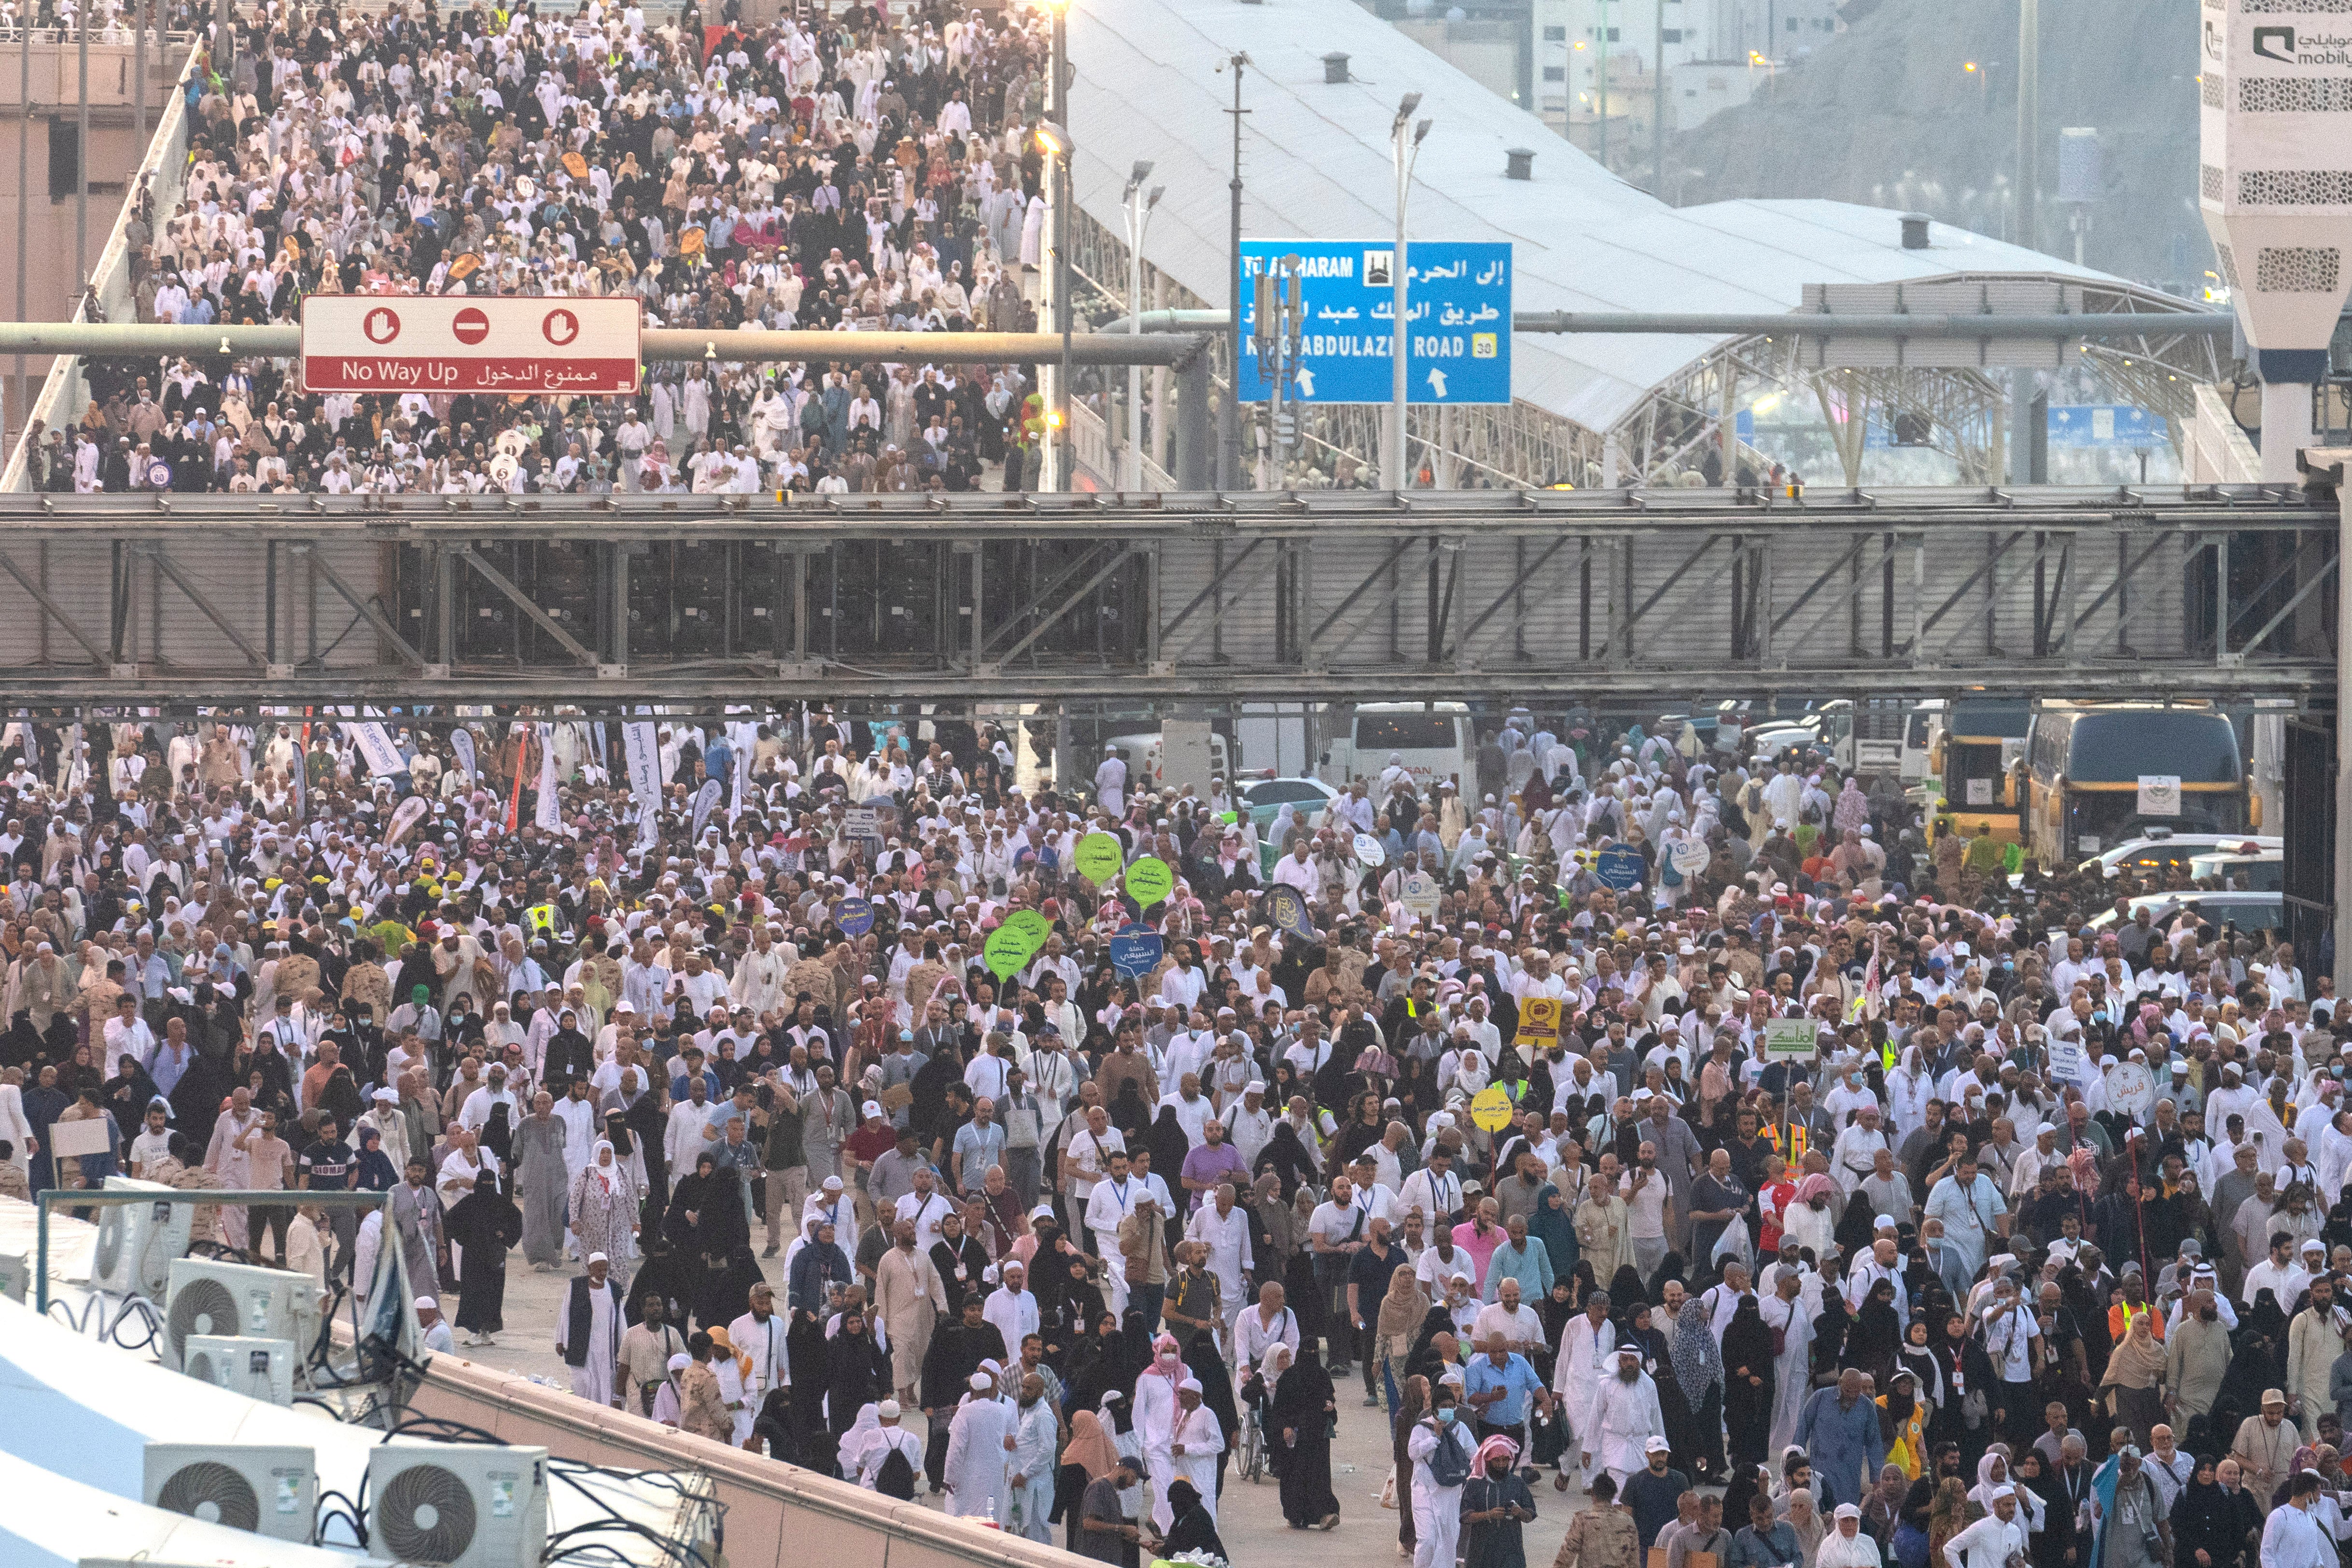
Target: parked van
x,y
1145,756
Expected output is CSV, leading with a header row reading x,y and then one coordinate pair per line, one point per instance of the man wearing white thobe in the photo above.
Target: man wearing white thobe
x,y
758,1337
1437,1510
588,1334
1994,1540
1036,1460
1197,1441
1587,1347
1012,1307
1110,783
1625,1415
1223,1229
979,1440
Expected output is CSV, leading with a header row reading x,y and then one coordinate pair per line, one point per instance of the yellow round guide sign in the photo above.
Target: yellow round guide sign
x,y
1490,1109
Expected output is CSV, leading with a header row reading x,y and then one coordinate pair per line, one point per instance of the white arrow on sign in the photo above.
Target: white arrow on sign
x,y
1437,381
1306,382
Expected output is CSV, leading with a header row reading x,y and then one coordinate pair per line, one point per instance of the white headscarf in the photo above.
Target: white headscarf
x,y
863,1433
599,1161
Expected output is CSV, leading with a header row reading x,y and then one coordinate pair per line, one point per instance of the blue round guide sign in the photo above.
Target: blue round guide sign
x,y
1136,951
1620,866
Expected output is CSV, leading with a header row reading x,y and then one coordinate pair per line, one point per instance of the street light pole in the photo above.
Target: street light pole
x,y
1402,150
1139,220
1058,150
2029,123
1229,417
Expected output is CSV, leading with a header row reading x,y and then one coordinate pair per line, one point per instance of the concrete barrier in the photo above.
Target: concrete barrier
x,y
778,1515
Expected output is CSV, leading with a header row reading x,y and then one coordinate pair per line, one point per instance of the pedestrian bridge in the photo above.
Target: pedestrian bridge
x,y
1116,604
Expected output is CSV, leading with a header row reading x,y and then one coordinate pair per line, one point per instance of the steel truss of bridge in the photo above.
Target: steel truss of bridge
x,y
1124,604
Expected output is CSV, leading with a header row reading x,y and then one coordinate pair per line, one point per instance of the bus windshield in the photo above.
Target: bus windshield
x,y
1980,719
2119,747
1404,733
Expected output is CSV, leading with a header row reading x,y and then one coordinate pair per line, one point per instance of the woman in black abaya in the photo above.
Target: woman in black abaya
x,y
726,1293
1876,1337
1194,1528
858,1373
484,1223
812,1364
1748,1383
1298,1431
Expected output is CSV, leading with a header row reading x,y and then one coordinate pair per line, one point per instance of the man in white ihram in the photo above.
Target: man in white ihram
x,y
1110,783
1625,1416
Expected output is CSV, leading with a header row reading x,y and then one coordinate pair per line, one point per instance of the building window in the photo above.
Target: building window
x,y
1555,35
65,157
1792,23
1613,35
1555,73
1670,35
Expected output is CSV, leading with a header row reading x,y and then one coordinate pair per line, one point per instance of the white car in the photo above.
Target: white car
x,y
1308,800
2158,852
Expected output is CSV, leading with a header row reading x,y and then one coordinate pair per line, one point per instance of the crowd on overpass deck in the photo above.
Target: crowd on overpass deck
x,y
869,168
811,1050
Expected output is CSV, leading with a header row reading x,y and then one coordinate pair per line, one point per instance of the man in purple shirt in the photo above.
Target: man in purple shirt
x,y
1212,1166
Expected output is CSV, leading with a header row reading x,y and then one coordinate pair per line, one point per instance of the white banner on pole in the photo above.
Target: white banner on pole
x,y
376,750
549,814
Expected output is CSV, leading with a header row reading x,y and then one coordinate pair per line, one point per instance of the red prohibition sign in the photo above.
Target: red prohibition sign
x,y
469,325
381,325
560,328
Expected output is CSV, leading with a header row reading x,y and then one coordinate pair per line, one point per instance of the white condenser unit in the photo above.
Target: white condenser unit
x,y
229,1298
458,1505
256,1368
266,1488
137,1242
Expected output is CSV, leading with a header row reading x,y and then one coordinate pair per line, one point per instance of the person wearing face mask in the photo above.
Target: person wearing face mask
x,y
1441,1449
1157,1412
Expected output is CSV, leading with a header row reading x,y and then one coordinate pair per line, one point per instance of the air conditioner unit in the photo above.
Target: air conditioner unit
x,y
258,1369
137,1242
15,1276
462,1505
225,1299
266,1488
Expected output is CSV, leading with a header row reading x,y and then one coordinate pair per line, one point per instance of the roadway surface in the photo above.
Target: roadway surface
x,y
1250,1518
